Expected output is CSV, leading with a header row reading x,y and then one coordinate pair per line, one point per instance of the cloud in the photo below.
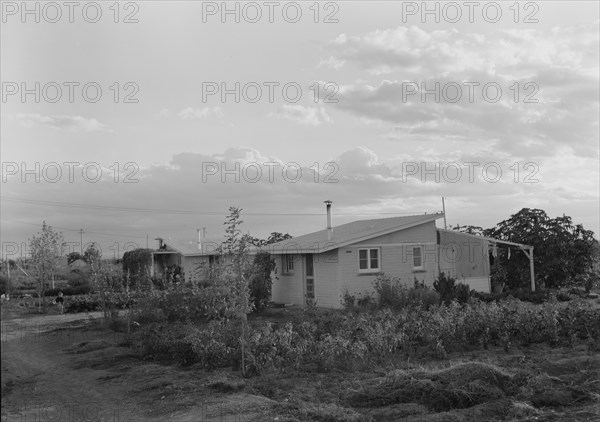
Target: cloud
x,y
516,115
332,62
519,51
359,181
310,116
68,123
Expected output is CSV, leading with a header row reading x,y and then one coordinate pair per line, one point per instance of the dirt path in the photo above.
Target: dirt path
x,y
60,368
39,382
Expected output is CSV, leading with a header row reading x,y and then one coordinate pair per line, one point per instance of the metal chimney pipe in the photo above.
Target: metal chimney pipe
x,y
329,228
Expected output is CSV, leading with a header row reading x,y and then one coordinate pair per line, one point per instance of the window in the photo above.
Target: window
x,y
289,263
368,260
417,258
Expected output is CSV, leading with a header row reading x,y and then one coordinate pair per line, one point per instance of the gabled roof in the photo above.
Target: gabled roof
x,y
349,233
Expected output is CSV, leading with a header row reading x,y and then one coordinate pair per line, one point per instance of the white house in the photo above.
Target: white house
x,y
323,265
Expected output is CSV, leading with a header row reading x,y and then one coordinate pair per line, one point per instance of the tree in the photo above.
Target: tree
x,y
274,237
92,254
468,229
237,269
136,267
562,251
46,250
73,256
106,280
260,280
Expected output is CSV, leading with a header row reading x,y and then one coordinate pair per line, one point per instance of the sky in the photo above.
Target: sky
x,y
137,120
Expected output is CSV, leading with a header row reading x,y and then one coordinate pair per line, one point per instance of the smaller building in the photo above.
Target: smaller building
x,y
174,255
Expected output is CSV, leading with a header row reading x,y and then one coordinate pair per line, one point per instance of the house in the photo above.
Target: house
x,y
320,267
189,256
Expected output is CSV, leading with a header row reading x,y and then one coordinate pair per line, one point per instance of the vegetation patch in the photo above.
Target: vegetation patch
x,y
457,387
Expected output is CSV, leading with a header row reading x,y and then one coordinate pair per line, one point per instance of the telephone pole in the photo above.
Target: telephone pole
x,y
81,240
444,209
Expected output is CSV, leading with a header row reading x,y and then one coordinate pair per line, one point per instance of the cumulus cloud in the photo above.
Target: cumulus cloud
x,y
517,89
199,188
437,52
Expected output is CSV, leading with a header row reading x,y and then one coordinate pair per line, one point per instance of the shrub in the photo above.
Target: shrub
x,y
346,341
85,303
445,286
392,293
462,293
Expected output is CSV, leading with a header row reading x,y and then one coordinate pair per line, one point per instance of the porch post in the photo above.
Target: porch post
x,y
151,265
531,270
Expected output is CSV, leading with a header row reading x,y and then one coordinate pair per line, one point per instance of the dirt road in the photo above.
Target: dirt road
x,y
64,368
43,381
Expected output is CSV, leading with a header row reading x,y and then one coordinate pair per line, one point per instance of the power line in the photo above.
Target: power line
x,y
179,212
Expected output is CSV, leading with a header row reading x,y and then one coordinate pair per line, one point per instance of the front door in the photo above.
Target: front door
x,y
310,278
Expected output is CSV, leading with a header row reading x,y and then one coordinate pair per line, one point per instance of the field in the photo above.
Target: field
x,y
74,367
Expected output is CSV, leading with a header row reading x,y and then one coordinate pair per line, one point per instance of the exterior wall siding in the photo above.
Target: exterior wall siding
x,y
396,254
327,278
481,284
466,259
288,287
463,256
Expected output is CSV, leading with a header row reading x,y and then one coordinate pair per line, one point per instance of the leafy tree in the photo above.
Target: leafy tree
x,y
136,265
46,250
469,229
274,237
260,280
73,256
106,280
562,250
235,274
92,254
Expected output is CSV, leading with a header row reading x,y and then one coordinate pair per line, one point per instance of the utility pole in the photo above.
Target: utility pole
x,y
444,209
146,240
81,240
8,283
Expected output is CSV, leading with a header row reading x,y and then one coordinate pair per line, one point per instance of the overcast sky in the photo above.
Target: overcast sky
x,y
330,105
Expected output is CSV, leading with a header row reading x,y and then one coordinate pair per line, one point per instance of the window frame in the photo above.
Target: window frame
x,y
422,266
370,269
287,260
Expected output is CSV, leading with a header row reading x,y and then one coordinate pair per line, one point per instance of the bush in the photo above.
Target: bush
x,y
462,293
85,303
392,293
445,286
330,339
